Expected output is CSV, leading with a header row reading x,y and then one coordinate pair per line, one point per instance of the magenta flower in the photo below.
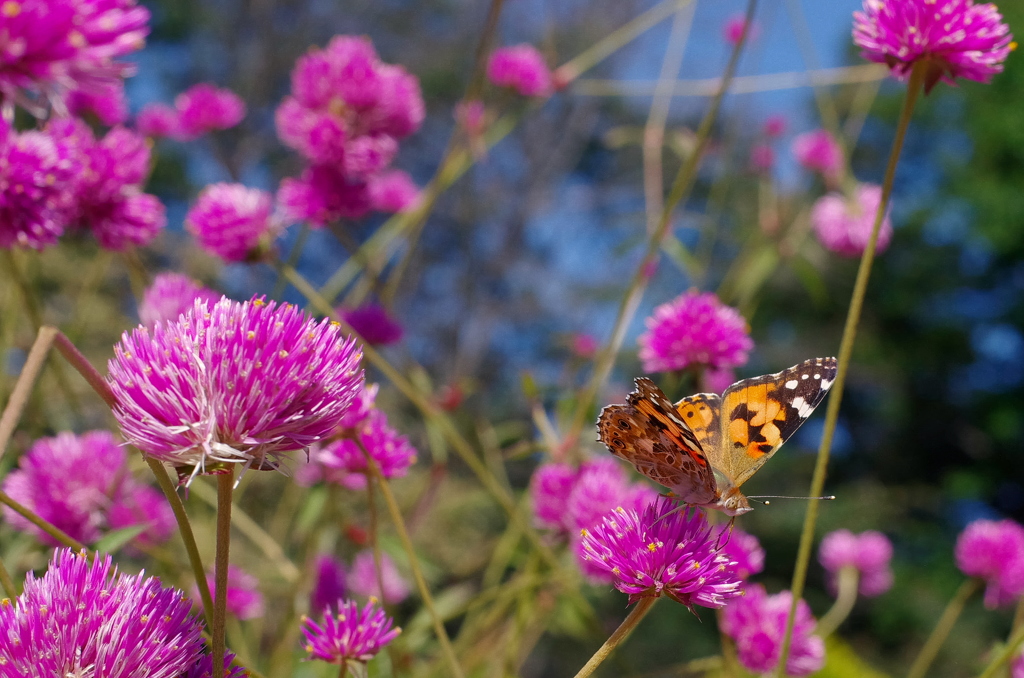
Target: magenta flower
x,y
233,382
362,578
774,126
844,226
549,489
232,221
600,487
522,68
732,31
694,329
81,485
1017,667
82,619
955,38
745,551
716,380
757,622
583,346
663,551
54,49
204,668
329,586
392,191
762,158
818,151
373,324
170,295
321,195
157,121
244,598
869,553
107,101
993,550
350,635
204,108
344,462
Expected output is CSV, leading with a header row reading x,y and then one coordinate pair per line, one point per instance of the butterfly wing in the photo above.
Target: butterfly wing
x,y
649,433
701,412
758,415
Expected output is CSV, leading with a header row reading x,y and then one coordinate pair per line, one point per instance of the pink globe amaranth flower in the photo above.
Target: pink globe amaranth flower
x,y
844,226
81,485
820,152
732,30
204,668
321,195
350,634
774,126
107,102
373,324
757,623
1017,667
231,221
392,191
522,68
663,551
362,578
205,108
344,462
762,158
170,295
329,585
583,346
993,550
244,599
86,619
158,120
55,48
955,38
549,489
745,551
233,382
868,552
694,329
716,380
601,486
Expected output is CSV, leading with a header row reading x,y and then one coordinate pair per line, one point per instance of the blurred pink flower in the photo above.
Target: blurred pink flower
x,y
762,158
522,68
868,552
231,221
392,191
774,126
583,346
244,598
745,551
322,195
757,623
343,461
955,38
158,120
170,295
362,578
204,108
716,380
329,586
844,227
549,489
732,30
373,324
694,329
993,550
820,152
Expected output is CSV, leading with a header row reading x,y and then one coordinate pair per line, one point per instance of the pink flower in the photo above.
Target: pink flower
x,y
244,598
844,227
994,551
549,489
583,346
350,634
233,383
774,126
323,195
956,38
231,221
716,380
141,504
204,108
762,158
373,324
600,487
745,551
107,101
522,68
868,552
757,622
170,295
158,120
344,462
1017,667
329,588
820,152
392,191
362,578
733,29
694,329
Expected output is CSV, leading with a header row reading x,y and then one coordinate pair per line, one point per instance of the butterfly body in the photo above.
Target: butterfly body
x,y
705,446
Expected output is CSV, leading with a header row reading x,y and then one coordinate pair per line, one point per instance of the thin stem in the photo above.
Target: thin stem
x,y
845,351
344,669
225,486
23,387
1009,650
10,588
55,532
85,368
942,628
421,583
378,567
846,595
188,538
625,628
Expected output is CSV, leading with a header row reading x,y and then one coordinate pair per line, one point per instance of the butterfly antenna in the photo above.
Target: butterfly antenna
x,y
762,499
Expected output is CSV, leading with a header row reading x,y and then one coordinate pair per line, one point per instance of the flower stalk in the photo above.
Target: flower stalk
x,y
942,628
225,487
631,621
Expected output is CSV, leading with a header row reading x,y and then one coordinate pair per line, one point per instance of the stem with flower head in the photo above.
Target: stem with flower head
x,y
846,595
625,628
942,628
845,351
225,486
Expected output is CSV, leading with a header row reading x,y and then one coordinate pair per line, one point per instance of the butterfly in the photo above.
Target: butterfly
x,y
705,446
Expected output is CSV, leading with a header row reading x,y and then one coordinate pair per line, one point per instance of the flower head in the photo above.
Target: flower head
x,y
733,29
868,552
549,488
329,586
663,551
344,462
362,578
350,634
774,126
244,599
757,622
323,194
694,329
373,324
204,108
955,38
522,68
392,191
85,619
81,485
745,551
170,295
993,550
233,382
158,120
844,226
230,221
820,152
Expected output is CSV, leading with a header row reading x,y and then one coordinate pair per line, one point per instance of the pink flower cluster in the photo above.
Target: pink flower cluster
x,y
694,329
993,550
522,68
61,177
349,633
869,553
200,109
81,485
170,295
62,55
818,151
232,221
332,581
745,551
346,113
844,226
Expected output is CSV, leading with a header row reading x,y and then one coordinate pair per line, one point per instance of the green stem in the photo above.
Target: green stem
x,y
10,588
625,628
225,486
845,351
1009,650
942,628
846,596
55,532
344,669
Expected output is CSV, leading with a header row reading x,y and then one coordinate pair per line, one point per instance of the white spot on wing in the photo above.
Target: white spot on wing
x,y
791,384
817,376
826,383
804,376
803,408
